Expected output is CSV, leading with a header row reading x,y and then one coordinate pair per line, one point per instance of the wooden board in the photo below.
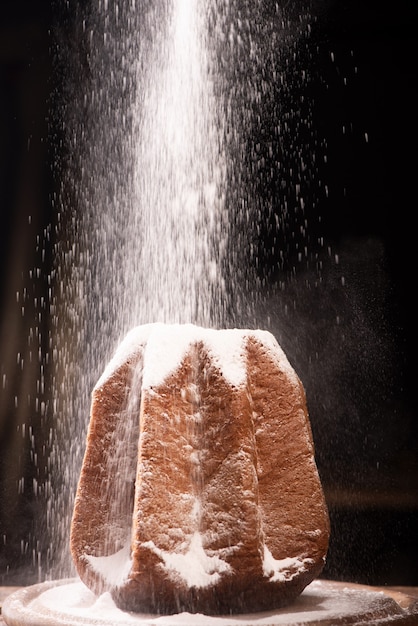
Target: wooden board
x,y
322,603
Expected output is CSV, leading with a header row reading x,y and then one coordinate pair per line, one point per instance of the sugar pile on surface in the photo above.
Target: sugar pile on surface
x,y
70,603
114,568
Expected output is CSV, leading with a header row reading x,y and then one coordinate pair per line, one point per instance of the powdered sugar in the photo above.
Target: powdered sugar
x,y
114,568
227,347
70,603
168,344
132,344
165,345
282,569
195,566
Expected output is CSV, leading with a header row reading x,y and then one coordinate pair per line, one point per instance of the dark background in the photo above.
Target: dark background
x,y
355,348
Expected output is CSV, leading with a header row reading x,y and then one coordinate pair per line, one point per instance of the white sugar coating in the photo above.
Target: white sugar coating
x,y
134,341
165,345
282,569
168,344
227,347
113,568
195,566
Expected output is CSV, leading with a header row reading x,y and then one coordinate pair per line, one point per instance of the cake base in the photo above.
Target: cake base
x,y
69,603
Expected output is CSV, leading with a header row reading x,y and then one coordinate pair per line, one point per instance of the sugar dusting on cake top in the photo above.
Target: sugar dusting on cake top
x,y
133,343
165,345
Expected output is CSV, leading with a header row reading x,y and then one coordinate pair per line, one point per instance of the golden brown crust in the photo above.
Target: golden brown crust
x,y
98,527
231,467
294,513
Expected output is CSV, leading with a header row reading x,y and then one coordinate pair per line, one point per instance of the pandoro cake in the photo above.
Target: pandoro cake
x,y
199,490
